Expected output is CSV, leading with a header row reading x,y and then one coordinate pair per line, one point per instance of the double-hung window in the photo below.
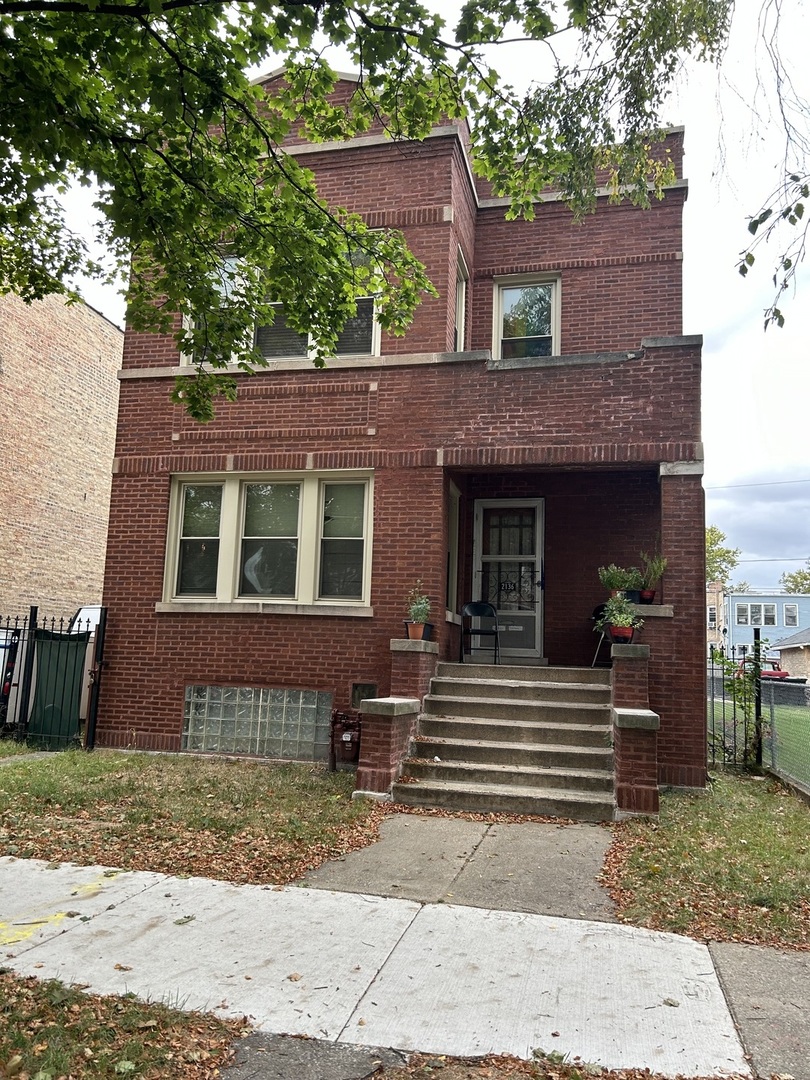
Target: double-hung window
x,y
755,615
359,336
302,539
526,318
791,613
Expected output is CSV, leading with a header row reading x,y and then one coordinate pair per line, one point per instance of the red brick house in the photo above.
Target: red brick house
x,y
541,418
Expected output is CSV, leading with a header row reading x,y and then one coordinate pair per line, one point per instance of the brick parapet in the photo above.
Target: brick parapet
x,y
635,728
387,727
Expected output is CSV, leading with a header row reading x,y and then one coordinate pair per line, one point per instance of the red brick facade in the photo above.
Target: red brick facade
x,y
606,433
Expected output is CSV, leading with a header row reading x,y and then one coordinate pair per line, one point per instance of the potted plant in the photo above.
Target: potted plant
x,y
618,620
621,579
652,567
418,606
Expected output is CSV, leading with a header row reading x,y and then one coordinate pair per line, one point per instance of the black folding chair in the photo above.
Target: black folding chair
x,y
479,610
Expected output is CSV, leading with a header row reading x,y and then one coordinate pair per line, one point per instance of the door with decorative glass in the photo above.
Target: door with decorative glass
x,y
508,569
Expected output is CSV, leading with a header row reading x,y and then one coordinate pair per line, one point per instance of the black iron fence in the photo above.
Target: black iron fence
x,y
757,721
50,672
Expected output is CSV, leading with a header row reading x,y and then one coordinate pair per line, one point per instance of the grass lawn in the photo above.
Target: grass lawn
x,y
236,821
10,747
50,1031
729,865
790,732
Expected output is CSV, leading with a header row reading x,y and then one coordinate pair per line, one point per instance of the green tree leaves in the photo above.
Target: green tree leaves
x,y
149,100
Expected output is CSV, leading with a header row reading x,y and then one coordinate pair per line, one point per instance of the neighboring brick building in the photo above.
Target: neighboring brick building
x,y
540,419
58,378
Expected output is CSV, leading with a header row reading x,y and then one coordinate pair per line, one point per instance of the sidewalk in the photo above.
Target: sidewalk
x,y
447,937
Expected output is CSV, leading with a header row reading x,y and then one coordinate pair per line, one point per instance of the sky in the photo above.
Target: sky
x,y
756,382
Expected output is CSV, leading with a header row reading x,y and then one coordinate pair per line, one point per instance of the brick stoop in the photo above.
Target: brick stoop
x,y
513,740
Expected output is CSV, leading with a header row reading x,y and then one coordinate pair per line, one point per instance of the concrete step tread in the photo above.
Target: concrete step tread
x,y
529,673
540,793
517,747
573,706
563,684
523,725
524,770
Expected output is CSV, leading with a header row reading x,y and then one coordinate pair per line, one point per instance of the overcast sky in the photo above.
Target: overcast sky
x,y
756,384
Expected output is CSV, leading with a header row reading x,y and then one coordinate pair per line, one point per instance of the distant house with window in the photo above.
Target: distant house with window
x,y
775,614
540,419
794,652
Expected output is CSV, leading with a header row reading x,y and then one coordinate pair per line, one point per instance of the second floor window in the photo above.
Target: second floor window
x,y
357,338
791,614
712,617
526,319
755,615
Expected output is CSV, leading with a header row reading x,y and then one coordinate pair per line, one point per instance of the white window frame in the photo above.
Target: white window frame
x,y
376,342
187,360
711,618
757,613
790,611
306,599
460,323
518,281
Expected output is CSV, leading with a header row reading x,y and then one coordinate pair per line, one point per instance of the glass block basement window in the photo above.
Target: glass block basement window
x,y
290,724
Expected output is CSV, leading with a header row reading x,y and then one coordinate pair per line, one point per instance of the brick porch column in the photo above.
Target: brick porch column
x,y
413,665
635,732
388,724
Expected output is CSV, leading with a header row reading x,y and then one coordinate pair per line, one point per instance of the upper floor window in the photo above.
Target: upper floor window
x,y
526,318
359,336
302,538
712,617
791,613
755,615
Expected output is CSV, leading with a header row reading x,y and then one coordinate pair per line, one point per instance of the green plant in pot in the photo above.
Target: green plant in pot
x,y
618,620
652,567
418,606
621,579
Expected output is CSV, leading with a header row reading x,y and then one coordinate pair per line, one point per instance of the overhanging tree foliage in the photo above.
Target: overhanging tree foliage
x,y
720,559
796,581
149,98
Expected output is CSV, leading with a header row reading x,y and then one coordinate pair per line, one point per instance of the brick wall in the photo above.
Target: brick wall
x,y
586,437
58,366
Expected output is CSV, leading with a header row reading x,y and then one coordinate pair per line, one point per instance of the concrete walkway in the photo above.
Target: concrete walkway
x,y
447,937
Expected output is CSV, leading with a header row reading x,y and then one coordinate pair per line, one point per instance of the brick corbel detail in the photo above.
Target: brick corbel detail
x,y
413,665
635,732
387,727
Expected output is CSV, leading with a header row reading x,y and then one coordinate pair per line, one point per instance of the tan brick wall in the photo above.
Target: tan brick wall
x,y
58,400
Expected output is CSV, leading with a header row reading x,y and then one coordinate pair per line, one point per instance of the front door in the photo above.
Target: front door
x,y
508,568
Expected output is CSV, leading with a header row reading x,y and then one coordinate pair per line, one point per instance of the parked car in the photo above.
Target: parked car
x,y
770,669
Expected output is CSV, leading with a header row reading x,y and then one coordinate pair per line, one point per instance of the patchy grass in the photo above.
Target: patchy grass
x,y
50,1030
237,821
10,748
729,865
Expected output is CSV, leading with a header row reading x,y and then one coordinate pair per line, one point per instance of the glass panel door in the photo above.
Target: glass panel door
x,y
509,570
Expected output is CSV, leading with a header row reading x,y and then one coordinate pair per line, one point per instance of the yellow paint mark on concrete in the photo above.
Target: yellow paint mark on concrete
x,y
13,933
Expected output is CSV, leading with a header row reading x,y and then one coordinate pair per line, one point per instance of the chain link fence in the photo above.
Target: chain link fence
x,y
757,721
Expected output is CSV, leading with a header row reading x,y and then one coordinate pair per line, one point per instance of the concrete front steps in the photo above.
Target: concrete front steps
x,y
513,740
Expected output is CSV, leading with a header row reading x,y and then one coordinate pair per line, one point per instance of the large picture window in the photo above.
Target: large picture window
x,y
286,538
526,319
